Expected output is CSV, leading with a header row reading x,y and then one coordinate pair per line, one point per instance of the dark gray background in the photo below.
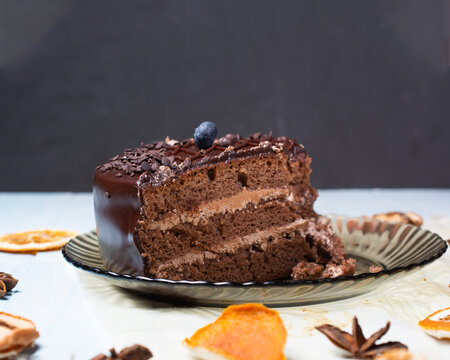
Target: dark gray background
x,y
364,85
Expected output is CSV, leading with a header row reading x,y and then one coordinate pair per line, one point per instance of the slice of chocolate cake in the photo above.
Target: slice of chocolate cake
x,y
240,210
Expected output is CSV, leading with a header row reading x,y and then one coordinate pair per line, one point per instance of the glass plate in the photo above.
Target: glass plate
x,y
397,248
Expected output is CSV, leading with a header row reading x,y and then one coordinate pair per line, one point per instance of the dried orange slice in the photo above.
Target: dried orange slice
x,y
16,333
34,241
242,332
437,324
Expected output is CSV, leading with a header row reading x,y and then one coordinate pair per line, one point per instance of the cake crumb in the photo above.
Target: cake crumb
x,y
375,269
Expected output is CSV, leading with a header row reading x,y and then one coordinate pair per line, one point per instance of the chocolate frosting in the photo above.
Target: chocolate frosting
x,y
117,185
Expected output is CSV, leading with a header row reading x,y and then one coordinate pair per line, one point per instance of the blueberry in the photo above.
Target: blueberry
x,y
205,134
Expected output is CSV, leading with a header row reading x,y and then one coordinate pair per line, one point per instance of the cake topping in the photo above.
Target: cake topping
x,y
205,134
165,159
356,343
135,352
242,332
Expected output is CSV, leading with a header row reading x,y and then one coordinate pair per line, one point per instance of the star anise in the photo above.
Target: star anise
x,y
356,343
135,352
7,283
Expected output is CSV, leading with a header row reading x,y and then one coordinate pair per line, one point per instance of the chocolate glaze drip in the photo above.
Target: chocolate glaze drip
x,y
117,185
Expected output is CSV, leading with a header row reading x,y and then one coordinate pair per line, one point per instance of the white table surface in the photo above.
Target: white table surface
x,y
79,316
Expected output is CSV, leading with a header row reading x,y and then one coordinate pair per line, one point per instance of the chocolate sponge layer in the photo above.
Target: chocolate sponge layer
x,y
266,255
226,179
211,233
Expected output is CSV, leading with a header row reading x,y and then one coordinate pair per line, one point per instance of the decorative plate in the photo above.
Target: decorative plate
x,y
397,248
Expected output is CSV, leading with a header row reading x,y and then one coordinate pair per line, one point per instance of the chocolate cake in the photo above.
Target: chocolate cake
x,y
240,210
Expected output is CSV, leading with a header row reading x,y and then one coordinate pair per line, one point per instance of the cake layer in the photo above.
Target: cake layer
x,y
227,180
219,206
228,205
257,257
163,245
261,256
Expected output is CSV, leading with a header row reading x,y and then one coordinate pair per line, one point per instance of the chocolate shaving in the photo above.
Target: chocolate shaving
x,y
7,283
356,343
135,352
145,166
165,161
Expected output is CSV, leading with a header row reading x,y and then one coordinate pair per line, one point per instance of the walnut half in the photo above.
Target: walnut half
x,y
400,217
